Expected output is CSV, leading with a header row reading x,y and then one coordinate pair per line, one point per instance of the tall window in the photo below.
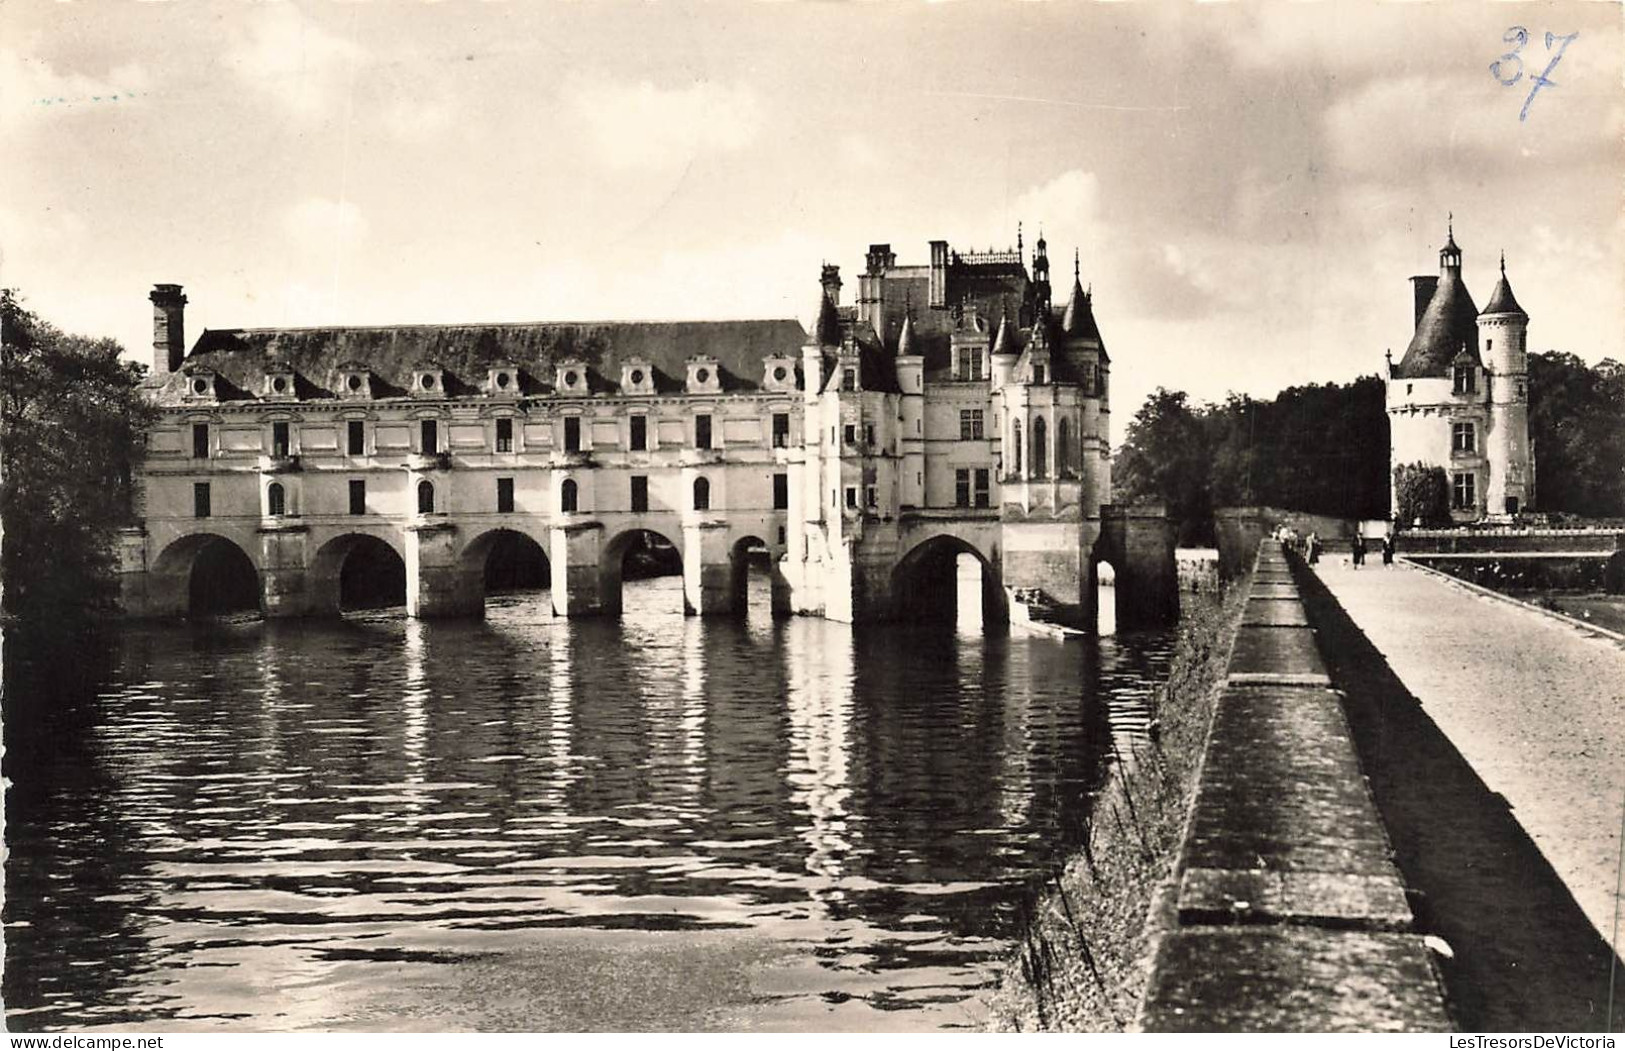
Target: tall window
x,y
702,431
279,439
640,492
425,497
852,496
505,495
869,434
962,487
702,494
871,496
971,425
1462,437
781,430
1063,448
849,380
1466,381
1463,492
639,433
276,500
200,499
572,434
567,496
1038,374
431,436
983,499
200,441
357,437
1015,447
358,497
781,492
1040,449
968,365
504,435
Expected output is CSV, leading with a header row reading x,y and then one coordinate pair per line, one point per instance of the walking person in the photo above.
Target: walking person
x,y
1314,549
1359,550
1387,549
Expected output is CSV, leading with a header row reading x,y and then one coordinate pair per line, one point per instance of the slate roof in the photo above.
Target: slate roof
x,y
239,357
1449,323
1501,300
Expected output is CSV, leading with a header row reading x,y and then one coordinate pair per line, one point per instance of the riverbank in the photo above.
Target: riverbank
x,y
1084,958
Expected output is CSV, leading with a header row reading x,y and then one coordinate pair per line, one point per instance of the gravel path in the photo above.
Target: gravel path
x,y
1537,708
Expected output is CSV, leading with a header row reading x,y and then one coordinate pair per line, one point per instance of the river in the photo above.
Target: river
x,y
528,823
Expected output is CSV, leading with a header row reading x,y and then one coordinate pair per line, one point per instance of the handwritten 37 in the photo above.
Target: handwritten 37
x,y
1518,36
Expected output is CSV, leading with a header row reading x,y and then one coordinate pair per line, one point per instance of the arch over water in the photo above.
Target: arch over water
x,y
925,583
204,573
747,553
504,560
357,571
635,554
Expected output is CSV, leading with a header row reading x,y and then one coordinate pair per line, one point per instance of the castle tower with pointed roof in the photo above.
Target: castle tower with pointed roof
x,y
1458,399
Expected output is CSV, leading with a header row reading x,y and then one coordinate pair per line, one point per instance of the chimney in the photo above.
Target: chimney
x,y
168,328
939,274
1422,288
831,280
880,258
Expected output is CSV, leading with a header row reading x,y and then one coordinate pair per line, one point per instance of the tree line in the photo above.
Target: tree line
x,y
1324,449
71,419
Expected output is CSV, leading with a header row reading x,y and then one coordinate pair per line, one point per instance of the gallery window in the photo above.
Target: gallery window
x,y
357,437
640,492
425,497
504,435
358,497
200,441
702,494
200,499
505,495
276,500
567,496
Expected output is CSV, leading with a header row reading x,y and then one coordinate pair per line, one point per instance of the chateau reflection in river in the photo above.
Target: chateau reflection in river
x,y
382,823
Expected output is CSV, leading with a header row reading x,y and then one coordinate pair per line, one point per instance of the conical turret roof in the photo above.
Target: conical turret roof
x,y
1449,324
905,338
827,328
1079,320
1004,341
1501,300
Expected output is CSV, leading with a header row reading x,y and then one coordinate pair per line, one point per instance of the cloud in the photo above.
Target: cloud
x,y
293,61
319,224
32,89
640,125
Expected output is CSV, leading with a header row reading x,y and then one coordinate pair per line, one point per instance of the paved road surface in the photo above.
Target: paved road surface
x,y
1536,707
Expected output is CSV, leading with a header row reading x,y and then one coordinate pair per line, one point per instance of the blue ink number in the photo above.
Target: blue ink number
x,y
1518,36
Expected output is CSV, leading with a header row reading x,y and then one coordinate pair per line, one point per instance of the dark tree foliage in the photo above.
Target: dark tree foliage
x,y
1321,449
70,420
1577,429
1422,494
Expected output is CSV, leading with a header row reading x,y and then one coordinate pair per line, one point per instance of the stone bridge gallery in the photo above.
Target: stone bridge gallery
x,y
952,410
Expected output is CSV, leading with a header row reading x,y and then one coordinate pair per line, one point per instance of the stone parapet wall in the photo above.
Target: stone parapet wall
x,y
1285,911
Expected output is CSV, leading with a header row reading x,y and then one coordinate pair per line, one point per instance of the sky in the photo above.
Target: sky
x,y
1248,186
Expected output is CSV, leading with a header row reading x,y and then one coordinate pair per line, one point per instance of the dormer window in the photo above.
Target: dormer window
x,y
703,375
968,364
779,373
637,377
428,381
572,377
849,379
502,381
355,381
200,385
279,383
1466,380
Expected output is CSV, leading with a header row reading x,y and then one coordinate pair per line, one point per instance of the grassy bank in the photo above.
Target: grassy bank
x,y
1082,962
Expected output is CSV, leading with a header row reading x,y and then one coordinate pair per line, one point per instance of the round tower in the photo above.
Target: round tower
x,y
1502,331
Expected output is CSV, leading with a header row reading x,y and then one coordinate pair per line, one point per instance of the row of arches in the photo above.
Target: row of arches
x,y
943,578
1040,449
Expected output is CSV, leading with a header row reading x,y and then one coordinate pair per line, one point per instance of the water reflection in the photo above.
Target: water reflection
x,y
381,822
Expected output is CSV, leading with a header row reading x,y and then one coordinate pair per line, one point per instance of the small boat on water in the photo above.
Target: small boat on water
x,y
1031,613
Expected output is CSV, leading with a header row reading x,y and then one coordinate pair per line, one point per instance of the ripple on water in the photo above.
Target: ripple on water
x,y
269,827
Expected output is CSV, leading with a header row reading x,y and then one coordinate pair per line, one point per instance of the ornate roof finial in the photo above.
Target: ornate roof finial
x,y
1503,262
1018,236
1077,267
1450,224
